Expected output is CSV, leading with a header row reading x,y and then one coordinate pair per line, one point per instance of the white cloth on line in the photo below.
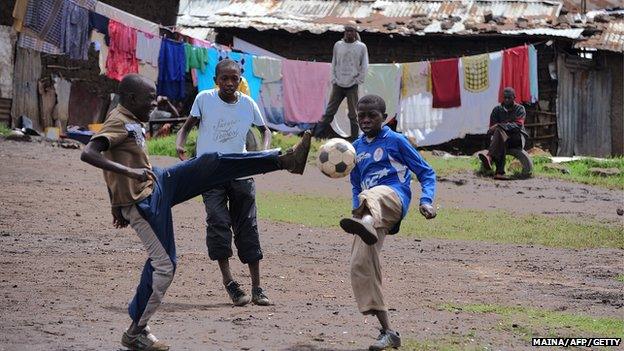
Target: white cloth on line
x,y
426,125
148,48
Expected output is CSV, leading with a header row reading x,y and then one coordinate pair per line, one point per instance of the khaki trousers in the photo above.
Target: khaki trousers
x,y
366,277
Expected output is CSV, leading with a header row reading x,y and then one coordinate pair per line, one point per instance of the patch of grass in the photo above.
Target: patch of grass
x,y
4,130
456,224
165,146
529,321
579,171
620,278
447,166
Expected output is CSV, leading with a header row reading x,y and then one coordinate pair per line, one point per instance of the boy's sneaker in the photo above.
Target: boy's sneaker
x,y
387,339
144,341
238,296
363,229
259,298
294,160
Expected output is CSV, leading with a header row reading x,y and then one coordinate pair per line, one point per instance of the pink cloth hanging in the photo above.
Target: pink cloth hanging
x,y
305,87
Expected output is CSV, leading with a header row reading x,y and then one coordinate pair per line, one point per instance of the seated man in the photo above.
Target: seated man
x,y
164,109
507,130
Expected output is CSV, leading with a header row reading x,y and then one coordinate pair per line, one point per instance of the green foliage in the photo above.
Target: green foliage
x,y
451,223
4,130
165,146
536,321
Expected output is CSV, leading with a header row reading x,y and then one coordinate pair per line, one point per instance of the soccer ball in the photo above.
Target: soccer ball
x,y
336,158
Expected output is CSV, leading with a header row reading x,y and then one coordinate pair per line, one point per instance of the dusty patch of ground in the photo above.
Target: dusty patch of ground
x,y
67,274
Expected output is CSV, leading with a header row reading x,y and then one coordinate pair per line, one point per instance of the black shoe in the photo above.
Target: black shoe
x,y
238,296
295,159
387,339
363,229
259,298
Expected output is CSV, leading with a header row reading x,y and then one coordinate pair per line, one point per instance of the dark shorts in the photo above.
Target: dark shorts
x,y
231,207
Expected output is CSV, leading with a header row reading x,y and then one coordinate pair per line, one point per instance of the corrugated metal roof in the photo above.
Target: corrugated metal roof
x,y
386,16
611,38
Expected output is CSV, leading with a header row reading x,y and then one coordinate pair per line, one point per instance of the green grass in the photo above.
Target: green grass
x,y
579,171
165,146
451,223
4,130
620,278
532,321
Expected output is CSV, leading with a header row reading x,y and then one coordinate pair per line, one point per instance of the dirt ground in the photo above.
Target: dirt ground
x,y
67,274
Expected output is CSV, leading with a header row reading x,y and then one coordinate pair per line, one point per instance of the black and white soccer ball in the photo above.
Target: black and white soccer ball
x,y
336,158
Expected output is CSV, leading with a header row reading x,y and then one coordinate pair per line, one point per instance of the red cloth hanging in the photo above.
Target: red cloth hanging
x,y
121,58
516,73
445,83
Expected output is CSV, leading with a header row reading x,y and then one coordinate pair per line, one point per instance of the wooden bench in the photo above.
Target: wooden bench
x,y
173,121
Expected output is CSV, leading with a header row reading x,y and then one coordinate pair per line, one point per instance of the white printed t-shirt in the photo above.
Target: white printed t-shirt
x,y
223,127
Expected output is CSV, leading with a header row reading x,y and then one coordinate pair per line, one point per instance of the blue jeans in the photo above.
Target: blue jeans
x,y
174,185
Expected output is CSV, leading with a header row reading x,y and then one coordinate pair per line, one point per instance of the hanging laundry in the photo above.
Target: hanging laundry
x,y
75,32
196,57
426,126
272,102
126,18
205,80
44,21
384,79
533,78
148,48
516,73
203,44
267,68
63,92
476,107
99,43
445,83
122,51
476,72
100,24
19,13
7,50
148,71
416,78
305,90
172,70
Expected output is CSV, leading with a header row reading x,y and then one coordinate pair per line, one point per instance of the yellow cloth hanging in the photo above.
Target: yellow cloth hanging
x,y
476,72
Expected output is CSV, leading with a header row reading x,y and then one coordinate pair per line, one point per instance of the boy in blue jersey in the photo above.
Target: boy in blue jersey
x,y
381,197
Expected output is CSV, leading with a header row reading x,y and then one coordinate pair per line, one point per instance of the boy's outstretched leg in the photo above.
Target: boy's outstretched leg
x,y
387,338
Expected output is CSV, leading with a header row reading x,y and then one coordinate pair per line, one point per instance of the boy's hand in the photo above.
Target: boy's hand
x,y
427,211
118,220
181,152
141,174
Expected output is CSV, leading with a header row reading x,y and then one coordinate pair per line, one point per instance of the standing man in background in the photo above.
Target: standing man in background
x,y
349,67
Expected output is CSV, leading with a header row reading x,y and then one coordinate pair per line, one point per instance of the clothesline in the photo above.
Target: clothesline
x,y
427,97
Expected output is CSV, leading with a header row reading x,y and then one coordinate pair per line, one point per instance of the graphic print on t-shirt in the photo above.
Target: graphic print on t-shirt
x,y
225,131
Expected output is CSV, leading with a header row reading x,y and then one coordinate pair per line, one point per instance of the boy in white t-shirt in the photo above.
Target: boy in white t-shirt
x,y
224,116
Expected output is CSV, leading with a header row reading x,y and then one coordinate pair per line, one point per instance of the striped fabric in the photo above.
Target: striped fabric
x,y
30,40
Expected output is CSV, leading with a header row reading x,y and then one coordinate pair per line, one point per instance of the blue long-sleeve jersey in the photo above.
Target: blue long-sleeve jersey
x,y
388,160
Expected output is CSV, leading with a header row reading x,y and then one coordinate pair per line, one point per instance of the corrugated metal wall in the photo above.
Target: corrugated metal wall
x,y
583,107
